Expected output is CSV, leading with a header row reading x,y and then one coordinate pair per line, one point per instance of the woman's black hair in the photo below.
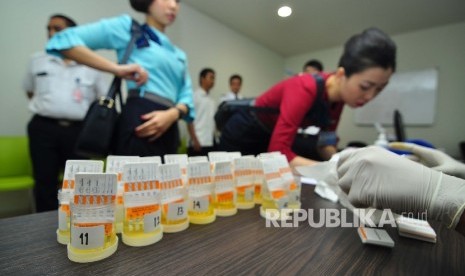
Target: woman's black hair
x,y
68,21
141,5
371,48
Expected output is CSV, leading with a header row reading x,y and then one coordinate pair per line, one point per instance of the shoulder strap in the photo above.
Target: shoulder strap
x,y
319,113
115,88
320,82
136,32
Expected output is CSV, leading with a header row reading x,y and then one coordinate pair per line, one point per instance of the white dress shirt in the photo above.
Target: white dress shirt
x,y
204,123
62,91
230,96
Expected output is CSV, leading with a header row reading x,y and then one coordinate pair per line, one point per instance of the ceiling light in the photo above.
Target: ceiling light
x,y
284,11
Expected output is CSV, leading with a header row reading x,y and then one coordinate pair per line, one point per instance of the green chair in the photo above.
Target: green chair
x,y
182,149
16,181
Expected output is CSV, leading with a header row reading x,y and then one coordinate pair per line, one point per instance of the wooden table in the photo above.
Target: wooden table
x,y
238,245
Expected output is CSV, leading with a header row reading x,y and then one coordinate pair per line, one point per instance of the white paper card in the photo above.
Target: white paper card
x,y
152,221
87,237
177,210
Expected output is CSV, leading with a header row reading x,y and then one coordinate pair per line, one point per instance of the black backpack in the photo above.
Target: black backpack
x,y
319,113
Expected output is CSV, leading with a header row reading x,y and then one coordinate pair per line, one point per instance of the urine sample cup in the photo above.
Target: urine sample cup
x,y
93,236
292,183
174,216
244,183
115,164
225,200
142,218
142,204
200,193
275,193
65,194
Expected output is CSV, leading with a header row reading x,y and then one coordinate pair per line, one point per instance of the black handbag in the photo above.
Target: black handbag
x,y
96,137
227,108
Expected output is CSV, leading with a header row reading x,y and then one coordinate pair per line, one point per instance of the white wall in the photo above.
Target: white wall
x,y
206,42
443,47
209,43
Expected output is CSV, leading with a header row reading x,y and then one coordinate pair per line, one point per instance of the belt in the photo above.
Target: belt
x,y
60,122
135,93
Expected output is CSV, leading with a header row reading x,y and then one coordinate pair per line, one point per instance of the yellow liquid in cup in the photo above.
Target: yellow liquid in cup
x,y
64,235
244,197
134,228
258,193
225,201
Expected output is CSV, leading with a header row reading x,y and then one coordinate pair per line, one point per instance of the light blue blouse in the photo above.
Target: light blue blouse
x,y
165,63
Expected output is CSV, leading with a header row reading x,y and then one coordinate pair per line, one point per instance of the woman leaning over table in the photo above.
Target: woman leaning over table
x,y
159,86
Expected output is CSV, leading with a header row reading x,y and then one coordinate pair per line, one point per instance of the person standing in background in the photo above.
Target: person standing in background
x,y
157,77
202,130
313,66
235,84
60,92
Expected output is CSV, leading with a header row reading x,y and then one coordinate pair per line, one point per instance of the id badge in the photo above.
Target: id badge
x,y
77,95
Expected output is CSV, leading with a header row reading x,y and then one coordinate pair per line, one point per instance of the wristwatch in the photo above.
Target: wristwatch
x,y
181,112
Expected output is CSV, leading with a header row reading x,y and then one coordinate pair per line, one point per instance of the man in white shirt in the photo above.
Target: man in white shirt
x,y
60,92
235,83
202,129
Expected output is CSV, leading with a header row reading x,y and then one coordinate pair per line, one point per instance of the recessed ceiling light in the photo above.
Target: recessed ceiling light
x,y
284,11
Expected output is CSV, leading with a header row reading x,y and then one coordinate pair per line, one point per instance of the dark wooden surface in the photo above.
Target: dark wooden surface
x,y
238,245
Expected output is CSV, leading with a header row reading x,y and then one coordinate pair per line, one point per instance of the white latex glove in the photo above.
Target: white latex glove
x,y
321,171
375,177
326,175
433,158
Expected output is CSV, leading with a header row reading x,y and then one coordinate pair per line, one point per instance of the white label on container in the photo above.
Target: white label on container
x,y
294,196
283,203
249,193
62,220
199,204
152,221
177,210
87,237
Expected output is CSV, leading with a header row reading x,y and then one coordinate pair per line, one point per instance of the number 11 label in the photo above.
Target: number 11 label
x,y
87,237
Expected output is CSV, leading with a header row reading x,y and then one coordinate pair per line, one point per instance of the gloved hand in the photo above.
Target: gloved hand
x,y
375,177
433,158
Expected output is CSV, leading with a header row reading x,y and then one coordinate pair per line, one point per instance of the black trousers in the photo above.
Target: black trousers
x,y
127,143
51,143
243,132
